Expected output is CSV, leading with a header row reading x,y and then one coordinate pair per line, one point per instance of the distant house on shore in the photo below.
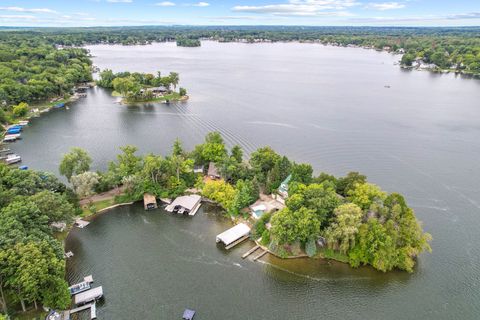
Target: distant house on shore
x,y
158,90
213,171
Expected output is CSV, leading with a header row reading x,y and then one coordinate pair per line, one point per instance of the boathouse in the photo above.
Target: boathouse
x,y
213,171
149,201
185,205
238,232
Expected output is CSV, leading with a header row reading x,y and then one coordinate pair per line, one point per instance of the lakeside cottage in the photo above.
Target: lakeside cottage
x,y
213,171
283,190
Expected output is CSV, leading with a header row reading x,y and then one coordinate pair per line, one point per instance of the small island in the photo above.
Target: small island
x,y
143,87
188,42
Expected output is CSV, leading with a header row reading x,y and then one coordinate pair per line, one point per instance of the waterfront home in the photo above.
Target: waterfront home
x,y
149,201
213,171
283,189
185,205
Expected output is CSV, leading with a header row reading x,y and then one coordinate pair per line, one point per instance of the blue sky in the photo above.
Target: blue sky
x,y
239,12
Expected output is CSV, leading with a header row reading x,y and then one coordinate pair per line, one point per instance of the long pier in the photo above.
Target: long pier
x,y
249,252
233,244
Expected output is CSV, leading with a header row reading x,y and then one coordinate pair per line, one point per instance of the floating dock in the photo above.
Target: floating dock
x,y
233,235
91,306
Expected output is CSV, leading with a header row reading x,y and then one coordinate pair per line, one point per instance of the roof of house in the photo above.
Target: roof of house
x,y
212,170
149,198
284,185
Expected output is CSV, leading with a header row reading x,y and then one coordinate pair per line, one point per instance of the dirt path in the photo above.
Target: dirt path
x,y
103,196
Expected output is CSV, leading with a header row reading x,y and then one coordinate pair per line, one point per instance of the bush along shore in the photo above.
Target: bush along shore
x,y
143,87
347,219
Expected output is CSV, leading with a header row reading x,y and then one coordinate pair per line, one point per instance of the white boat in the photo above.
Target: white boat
x,y
13,158
23,122
9,138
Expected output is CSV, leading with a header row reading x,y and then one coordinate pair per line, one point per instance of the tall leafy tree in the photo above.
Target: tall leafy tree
x,y
75,162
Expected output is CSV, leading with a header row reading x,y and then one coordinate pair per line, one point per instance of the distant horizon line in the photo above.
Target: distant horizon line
x,y
240,25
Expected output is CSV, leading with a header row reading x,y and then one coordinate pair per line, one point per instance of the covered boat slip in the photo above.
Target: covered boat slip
x,y
149,201
185,205
234,235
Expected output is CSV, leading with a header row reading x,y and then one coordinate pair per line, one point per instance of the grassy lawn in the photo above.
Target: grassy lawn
x,y
98,206
332,254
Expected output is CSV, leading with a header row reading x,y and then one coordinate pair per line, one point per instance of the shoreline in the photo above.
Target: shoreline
x,y
327,44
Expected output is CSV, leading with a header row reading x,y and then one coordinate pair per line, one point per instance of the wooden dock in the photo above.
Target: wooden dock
x,y
233,244
260,255
249,252
91,306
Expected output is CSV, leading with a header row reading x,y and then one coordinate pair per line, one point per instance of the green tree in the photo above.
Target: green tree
x,y
365,195
21,109
302,173
84,183
214,148
345,184
75,162
237,153
289,226
128,162
53,205
342,231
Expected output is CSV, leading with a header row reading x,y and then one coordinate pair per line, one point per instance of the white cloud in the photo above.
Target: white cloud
x,y
165,4
303,8
120,1
201,4
33,10
386,6
16,17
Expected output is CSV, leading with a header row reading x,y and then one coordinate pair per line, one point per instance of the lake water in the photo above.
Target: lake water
x,y
324,105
